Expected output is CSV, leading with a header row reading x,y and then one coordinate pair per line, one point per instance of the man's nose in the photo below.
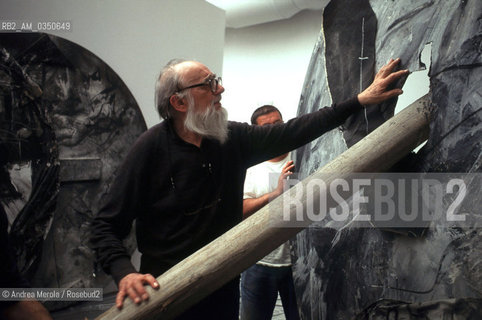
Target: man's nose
x,y
220,89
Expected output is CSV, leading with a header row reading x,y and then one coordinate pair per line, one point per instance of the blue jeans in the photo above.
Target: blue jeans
x,y
259,290
222,304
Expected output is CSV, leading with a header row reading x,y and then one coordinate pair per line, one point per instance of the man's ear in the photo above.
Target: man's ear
x,y
178,103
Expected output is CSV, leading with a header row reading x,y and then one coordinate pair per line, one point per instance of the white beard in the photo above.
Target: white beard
x,y
211,123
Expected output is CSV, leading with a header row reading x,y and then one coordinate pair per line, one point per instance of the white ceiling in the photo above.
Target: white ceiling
x,y
243,13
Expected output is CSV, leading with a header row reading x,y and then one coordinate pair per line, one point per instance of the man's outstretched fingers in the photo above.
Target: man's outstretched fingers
x,y
377,90
387,69
395,75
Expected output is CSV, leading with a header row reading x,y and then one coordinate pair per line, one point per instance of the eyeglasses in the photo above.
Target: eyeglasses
x,y
213,84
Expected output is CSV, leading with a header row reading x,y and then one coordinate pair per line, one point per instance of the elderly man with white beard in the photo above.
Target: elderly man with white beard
x,y
183,179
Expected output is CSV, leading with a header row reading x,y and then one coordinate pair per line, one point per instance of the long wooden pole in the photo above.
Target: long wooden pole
x,y
226,257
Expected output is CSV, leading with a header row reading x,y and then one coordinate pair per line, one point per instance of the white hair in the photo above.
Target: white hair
x,y
167,84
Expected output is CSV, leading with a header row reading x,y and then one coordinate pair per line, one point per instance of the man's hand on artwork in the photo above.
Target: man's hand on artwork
x,y
377,92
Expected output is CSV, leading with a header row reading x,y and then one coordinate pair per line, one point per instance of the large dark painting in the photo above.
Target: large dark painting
x,y
66,122
379,274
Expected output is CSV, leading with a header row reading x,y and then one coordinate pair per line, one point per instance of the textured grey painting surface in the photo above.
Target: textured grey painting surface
x,y
67,120
378,274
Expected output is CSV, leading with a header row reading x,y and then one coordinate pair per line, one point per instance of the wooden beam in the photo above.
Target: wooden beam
x,y
226,257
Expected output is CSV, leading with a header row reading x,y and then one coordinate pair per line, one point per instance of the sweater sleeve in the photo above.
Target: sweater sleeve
x,y
260,143
114,220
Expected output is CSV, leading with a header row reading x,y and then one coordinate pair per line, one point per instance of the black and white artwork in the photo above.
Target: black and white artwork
x,y
374,273
66,122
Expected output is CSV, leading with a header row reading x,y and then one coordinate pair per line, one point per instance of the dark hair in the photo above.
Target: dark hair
x,y
261,111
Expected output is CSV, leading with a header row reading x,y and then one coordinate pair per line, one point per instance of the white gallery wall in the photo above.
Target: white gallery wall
x,y
267,64
135,38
